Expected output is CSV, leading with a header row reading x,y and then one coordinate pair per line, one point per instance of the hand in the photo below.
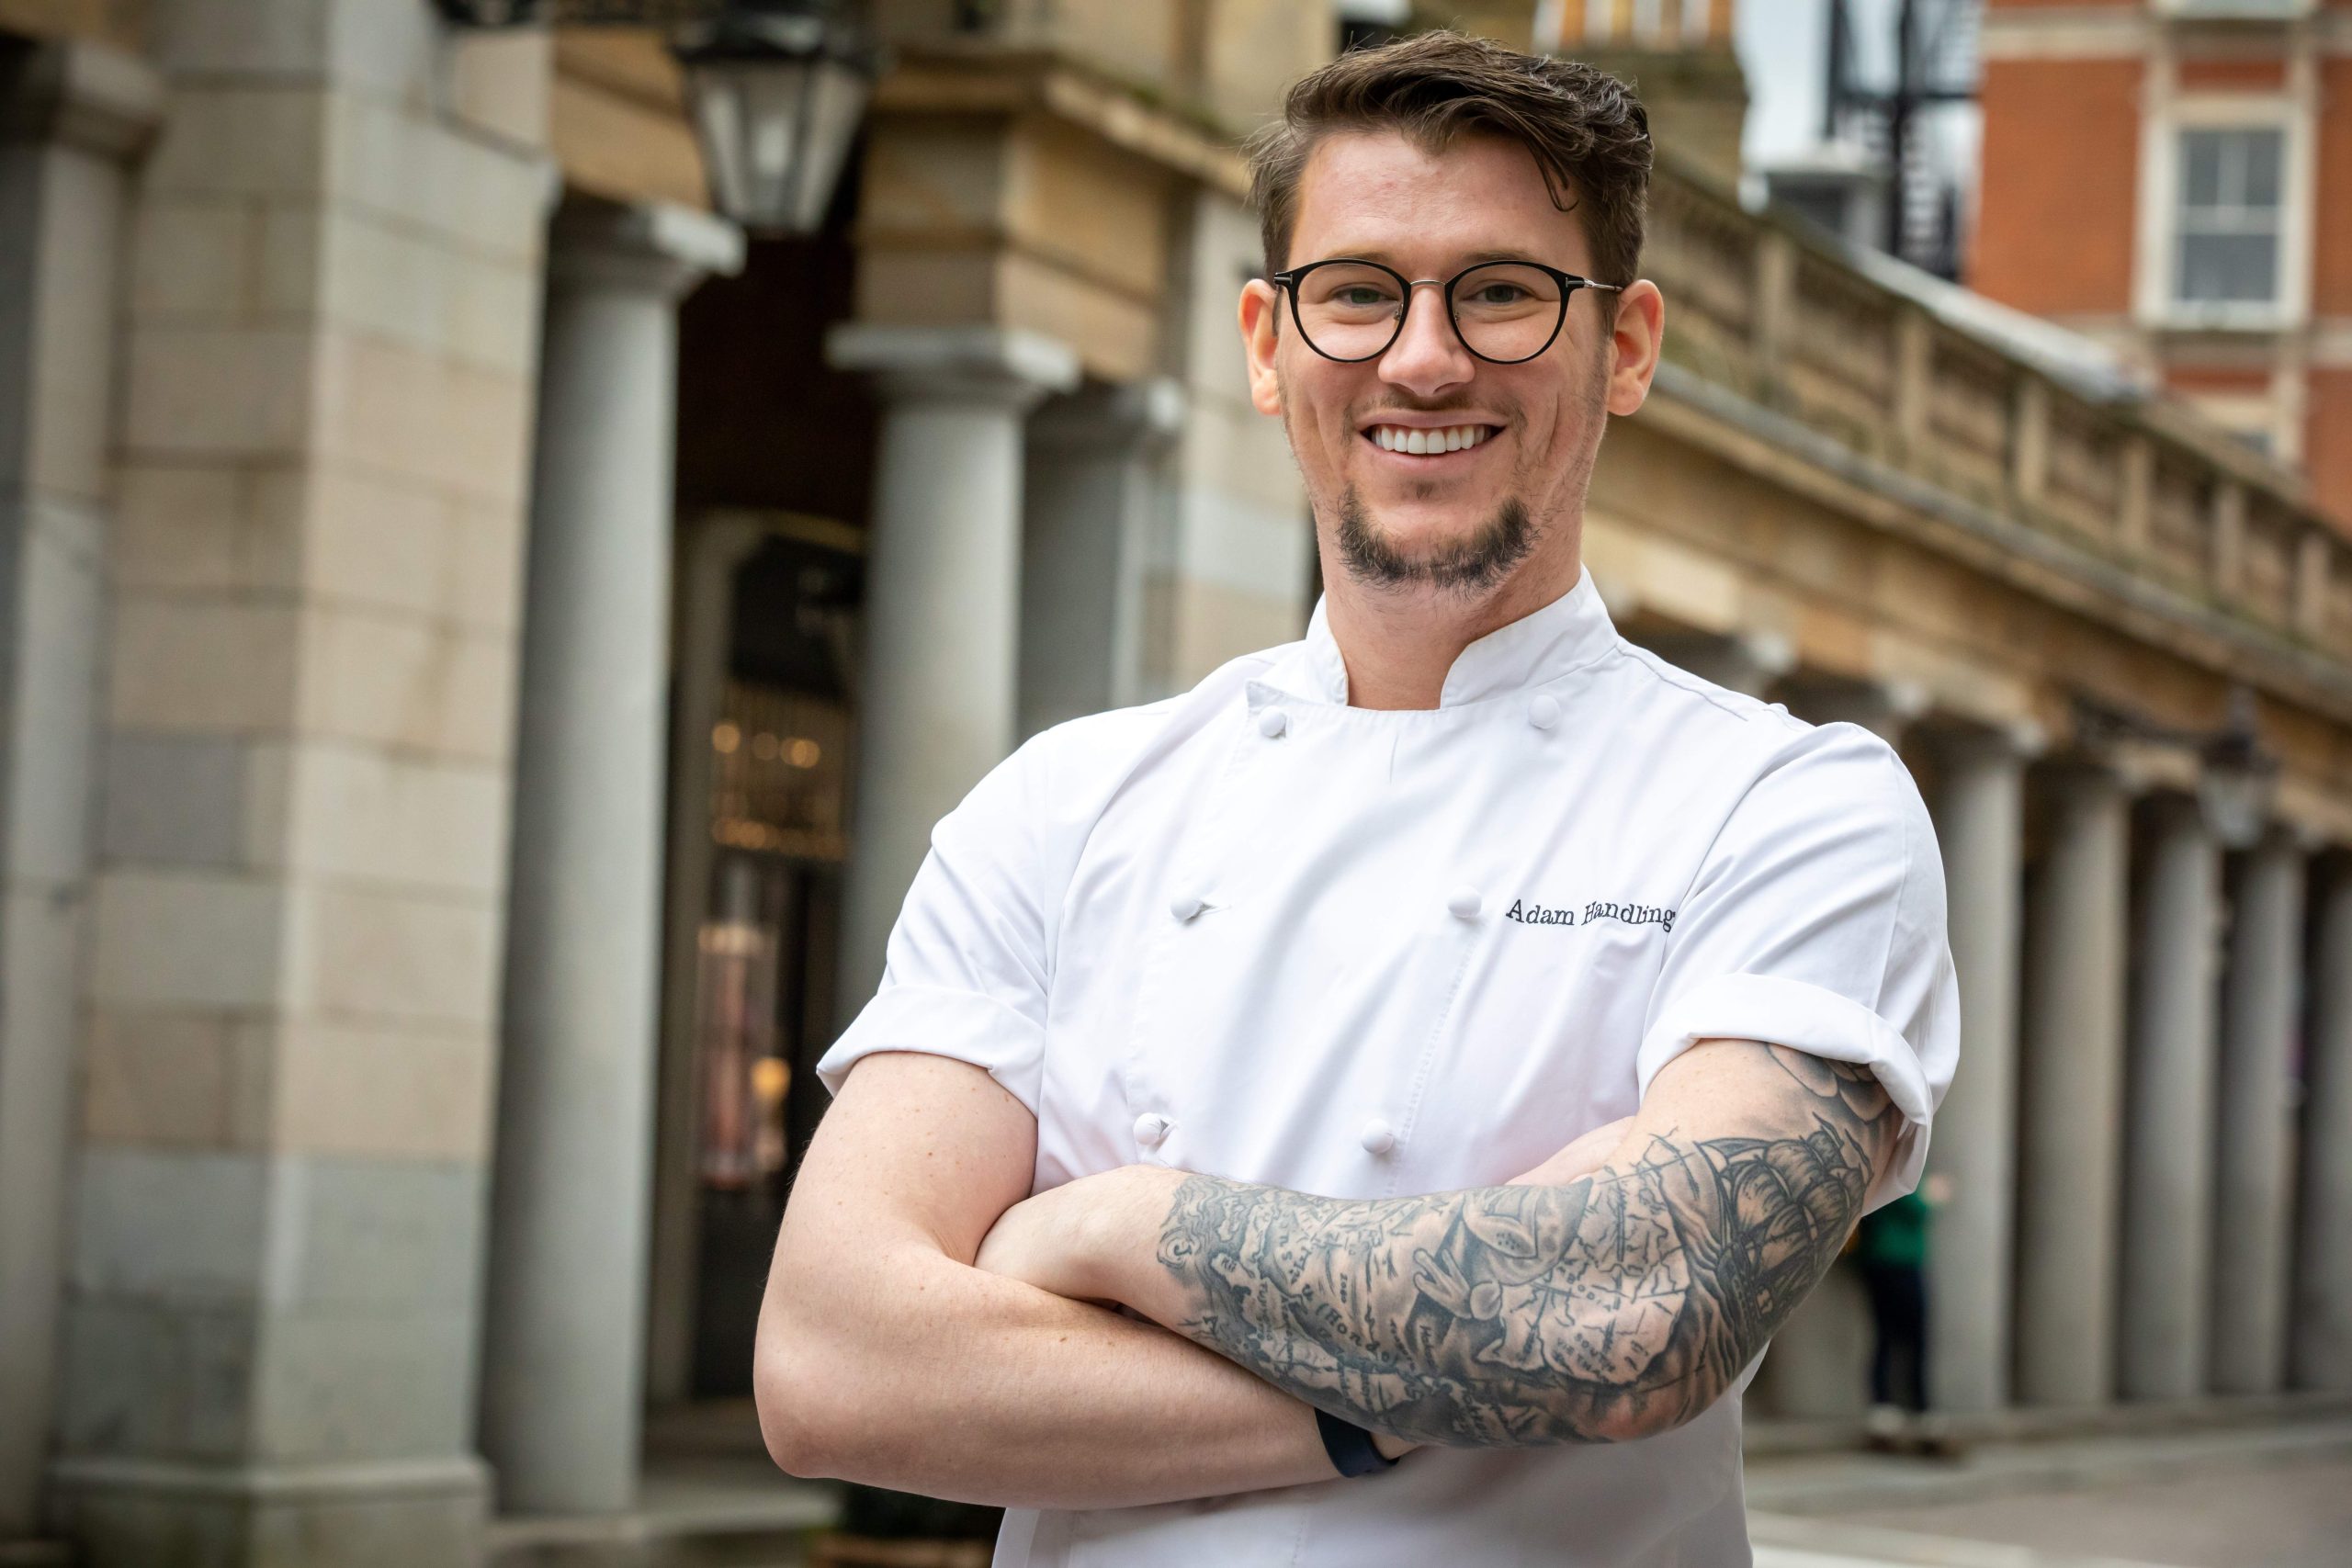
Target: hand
x,y
1039,1242
1581,1157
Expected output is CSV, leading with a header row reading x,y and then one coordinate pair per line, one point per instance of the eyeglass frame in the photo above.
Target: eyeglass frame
x,y
1569,282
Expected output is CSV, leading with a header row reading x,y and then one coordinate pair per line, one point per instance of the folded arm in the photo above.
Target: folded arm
x,y
1606,1308
884,1358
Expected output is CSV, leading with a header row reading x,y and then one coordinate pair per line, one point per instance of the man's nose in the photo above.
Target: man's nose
x,y
1427,355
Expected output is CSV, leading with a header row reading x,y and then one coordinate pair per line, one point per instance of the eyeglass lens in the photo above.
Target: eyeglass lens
x,y
1354,311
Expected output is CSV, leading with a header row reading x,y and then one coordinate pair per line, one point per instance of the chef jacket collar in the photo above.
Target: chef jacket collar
x,y
1544,643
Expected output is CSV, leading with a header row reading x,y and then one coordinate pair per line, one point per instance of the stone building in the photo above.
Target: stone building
x,y
485,641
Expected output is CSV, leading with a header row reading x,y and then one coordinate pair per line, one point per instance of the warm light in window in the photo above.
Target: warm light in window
x,y
769,1076
802,753
763,747
725,737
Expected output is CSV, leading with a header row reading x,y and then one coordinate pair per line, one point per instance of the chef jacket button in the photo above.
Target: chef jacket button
x,y
1378,1137
1272,722
1544,712
1464,903
1151,1129
1184,906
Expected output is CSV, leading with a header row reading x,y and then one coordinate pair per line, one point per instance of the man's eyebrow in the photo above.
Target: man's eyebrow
x,y
1473,258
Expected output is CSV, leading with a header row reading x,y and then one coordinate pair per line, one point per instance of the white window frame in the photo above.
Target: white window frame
x,y
2156,278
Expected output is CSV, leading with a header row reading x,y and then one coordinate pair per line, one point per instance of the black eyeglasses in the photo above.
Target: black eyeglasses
x,y
1504,312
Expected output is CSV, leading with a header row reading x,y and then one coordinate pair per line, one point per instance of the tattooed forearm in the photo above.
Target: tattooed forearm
x,y
1611,1307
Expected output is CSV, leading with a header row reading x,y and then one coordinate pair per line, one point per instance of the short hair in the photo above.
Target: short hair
x,y
1589,133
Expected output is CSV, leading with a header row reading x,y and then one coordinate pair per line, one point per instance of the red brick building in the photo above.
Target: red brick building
x,y
2174,177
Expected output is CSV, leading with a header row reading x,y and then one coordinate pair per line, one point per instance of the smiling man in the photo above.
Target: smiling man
x,y
1186,1188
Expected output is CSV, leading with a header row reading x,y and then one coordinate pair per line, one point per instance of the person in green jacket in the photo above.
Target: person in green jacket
x,y
1891,1246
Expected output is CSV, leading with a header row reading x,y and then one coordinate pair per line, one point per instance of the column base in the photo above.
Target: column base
x,y
383,1514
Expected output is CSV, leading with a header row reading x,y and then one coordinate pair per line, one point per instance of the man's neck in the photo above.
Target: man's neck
x,y
1399,644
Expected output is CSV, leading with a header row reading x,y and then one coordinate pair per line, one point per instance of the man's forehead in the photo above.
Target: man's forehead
x,y
1383,195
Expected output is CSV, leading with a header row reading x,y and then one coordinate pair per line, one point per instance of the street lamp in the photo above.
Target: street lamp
x,y
776,89
2238,778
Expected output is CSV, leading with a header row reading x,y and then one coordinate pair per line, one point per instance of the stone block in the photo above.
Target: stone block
x,y
384,279
395,957
242,139
402,680
180,1225
492,313
418,413
203,664
162,1079
186,940
246,38
380,540
183,527
220,391
501,84
486,590
398,819
386,1237
195,257
174,799
342,1386
154,1380
388,1093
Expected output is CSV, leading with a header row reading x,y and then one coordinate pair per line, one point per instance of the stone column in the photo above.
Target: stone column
x,y
2322,1350
2169,1108
563,1350
2070,1094
2248,1333
72,116
938,705
1091,504
1978,805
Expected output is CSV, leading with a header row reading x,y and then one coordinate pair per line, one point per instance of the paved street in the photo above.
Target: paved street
x,y
2267,1498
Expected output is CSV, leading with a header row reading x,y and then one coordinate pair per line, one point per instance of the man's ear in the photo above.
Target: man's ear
x,y
1635,340
1260,313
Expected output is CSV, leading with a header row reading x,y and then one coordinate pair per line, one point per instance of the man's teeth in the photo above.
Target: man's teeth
x,y
1397,438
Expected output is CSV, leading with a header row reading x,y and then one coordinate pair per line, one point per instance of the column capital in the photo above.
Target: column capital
x,y
970,363
1886,708
82,94
1114,418
655,247
2018,740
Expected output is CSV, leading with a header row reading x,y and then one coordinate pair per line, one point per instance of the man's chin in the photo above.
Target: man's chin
x,y
1461,549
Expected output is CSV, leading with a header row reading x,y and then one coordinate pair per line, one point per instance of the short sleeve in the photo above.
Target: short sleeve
x,y
966,969
1817,922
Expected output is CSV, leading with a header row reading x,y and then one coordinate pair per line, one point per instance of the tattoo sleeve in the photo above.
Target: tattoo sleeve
x,y
1607,1308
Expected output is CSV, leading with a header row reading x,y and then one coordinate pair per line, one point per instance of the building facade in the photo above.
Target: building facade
x,y
2187,223
486,642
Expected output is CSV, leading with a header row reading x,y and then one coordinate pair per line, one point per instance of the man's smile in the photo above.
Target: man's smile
x,y
1418,442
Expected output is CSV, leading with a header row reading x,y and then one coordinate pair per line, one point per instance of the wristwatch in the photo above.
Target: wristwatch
x,y
1350,1447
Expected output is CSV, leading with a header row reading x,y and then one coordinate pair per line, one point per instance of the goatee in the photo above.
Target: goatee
x,y
1469,566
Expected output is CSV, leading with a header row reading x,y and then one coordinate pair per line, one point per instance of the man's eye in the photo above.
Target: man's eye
x,y
1364,295
1501,294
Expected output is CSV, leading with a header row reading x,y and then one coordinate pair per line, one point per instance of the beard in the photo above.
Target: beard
x,y
1468,566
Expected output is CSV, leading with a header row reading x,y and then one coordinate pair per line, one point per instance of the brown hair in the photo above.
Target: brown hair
x,y
1587,131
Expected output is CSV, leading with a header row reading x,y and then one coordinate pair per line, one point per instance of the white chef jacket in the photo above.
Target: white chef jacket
x,y
1253,931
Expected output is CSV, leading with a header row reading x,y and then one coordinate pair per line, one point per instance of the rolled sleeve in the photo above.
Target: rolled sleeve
x,y
1817,922
965,971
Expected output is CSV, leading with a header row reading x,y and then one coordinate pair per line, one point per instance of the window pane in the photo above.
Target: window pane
x,y
2261,150
2231,268
2228,220
2200,168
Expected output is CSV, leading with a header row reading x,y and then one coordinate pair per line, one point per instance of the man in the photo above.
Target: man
x,y
1165,1197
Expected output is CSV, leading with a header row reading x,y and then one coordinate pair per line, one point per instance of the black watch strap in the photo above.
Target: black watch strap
x,y
1349,1446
